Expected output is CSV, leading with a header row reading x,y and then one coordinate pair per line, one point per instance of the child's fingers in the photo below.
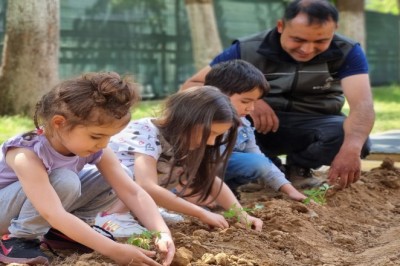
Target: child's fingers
x,y
148,253
168,256
257,224
166,248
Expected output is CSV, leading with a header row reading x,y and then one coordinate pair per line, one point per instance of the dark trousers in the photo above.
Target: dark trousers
x,y
308,140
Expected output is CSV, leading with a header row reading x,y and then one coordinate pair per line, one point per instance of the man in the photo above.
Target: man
x,y
311,70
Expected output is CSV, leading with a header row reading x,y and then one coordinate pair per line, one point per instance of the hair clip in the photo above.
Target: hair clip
x,y
39,131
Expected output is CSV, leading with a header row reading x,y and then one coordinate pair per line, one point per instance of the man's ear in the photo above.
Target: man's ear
x,y
280,25
58,121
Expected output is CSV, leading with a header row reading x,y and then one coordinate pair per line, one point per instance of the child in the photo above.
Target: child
x,y
245,84
182,149
42,184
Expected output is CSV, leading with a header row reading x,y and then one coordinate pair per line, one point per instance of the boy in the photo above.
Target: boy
x,y
245,84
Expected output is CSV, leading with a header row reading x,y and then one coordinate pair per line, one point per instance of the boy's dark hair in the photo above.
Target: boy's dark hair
x,y
318,11
198,108
236,77
91,99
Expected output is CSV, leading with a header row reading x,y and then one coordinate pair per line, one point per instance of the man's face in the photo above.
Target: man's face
x,y
303,41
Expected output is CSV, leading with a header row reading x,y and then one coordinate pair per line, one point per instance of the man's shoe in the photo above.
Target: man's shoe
x,y
301,177
119,224
54,239
169,217
22,251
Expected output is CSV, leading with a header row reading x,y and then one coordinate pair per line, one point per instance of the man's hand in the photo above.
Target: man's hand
x,y
345,169
264,118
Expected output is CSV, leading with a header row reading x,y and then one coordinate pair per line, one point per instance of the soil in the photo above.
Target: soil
x,y
359,225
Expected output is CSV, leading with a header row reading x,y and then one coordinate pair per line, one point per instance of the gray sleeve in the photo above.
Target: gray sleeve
x,y
274,178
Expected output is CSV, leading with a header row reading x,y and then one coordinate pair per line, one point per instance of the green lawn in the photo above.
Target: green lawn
x,y
386,100
387,106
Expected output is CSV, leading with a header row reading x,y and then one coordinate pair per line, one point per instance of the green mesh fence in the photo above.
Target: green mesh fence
x,y
383,48
151,39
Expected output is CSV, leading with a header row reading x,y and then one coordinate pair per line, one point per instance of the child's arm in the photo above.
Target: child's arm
x,y
136,199
226,200
277,180
145,170
37,187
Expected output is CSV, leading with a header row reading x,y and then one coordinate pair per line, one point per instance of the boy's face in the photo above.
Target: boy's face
x,y
244,102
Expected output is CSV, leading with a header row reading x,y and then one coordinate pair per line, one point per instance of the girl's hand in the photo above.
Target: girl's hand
x,y
166,247
130,255
213,219
254,222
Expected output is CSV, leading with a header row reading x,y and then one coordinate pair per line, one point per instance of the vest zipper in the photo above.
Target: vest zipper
x,y
296,76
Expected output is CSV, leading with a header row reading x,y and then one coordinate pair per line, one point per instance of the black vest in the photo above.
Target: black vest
x,y
305,87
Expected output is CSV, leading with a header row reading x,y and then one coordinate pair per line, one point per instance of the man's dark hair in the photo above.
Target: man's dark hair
x,y
318,11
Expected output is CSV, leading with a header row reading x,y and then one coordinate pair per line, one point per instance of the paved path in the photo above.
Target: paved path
x,y
385,144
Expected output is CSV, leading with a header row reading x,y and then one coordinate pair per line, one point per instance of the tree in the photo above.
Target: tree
x,y
30,54
352,20
206,42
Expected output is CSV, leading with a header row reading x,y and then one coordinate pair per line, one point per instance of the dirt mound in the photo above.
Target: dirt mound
x,y
358,226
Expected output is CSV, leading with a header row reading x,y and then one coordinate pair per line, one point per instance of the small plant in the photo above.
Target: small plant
x,y
318,195
235,212
143,240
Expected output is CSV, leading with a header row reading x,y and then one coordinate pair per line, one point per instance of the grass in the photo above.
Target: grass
x,y
386,105
12,125
146,109
386,100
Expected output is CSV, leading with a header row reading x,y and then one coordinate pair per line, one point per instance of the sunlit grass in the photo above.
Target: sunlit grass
x,y
146,109
386,101
387,106
12,125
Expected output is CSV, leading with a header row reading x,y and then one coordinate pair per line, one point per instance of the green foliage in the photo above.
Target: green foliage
x,y
236,213
386,101
146,109
386,104
318,195
13,125
144,239
382,6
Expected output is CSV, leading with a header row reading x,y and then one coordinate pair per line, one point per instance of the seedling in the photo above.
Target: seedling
x,y
318,195
143,240
235,212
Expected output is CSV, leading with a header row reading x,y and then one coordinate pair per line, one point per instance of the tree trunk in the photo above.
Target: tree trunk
x,y
30,54
352,20
206,42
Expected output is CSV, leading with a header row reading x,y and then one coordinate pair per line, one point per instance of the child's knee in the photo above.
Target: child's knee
x,y
66,183
260,163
